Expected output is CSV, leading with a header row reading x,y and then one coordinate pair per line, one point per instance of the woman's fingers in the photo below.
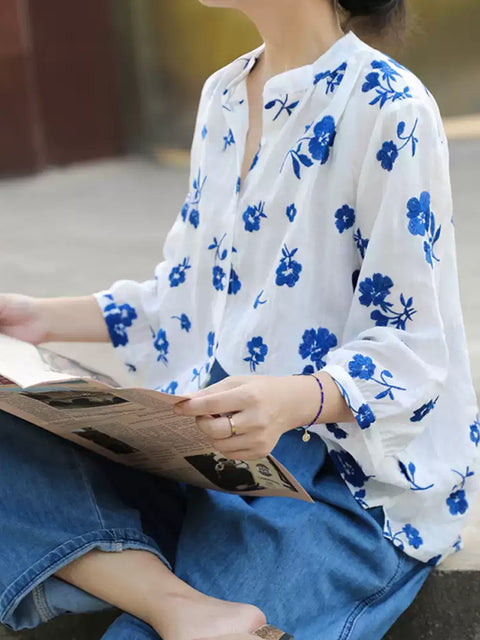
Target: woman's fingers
x,y
217,427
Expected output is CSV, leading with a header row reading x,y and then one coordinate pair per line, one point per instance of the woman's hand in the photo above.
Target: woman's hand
x,y
262,408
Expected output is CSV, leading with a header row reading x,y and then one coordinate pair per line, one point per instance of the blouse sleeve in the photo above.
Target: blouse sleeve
x,y
131,308
393,360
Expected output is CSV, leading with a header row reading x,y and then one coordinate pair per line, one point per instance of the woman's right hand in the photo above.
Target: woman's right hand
x,y
21,317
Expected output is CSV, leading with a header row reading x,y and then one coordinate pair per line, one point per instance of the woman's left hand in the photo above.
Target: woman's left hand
x,y
262,409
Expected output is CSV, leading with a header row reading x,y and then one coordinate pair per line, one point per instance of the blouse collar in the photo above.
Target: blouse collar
x,y
299,78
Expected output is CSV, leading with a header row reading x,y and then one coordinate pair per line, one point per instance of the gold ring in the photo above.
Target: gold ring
x,y
232,426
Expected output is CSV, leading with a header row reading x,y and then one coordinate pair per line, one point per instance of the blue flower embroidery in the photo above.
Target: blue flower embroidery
x,y
258,301
291,212
457,502
283,106
210,343
172,387
374,291
190,208
422,222
363,367
177,274
234,284
257,350
360,498
288,271
218,273
333,427
118,318
238,184
362,243
204,132
363,415
349,468
389,151
345,217
184,322
255,158
411,534
318,145
161,345
409,473
252,216
315,345
475,432
386,91
333,78
228,140
422,411
218,276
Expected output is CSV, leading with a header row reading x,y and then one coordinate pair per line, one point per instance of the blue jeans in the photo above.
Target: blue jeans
x,y
321,570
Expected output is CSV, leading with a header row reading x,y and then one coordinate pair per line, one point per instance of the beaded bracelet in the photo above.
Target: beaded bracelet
x,y
306,435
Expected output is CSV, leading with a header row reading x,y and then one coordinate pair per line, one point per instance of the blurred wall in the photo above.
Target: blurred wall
x,y
188,41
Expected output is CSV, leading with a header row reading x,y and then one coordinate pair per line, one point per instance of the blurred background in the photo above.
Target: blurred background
x,y
101,78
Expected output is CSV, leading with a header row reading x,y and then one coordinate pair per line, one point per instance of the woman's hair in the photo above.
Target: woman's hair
x,y
376,17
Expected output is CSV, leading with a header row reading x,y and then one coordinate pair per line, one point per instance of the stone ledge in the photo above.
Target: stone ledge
x,y
445,609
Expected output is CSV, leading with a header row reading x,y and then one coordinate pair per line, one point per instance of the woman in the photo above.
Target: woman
x,y
316,239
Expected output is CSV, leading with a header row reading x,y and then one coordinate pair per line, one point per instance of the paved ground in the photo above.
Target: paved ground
x,y
76,230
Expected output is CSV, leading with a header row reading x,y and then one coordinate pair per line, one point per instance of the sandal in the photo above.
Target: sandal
x,y
268,632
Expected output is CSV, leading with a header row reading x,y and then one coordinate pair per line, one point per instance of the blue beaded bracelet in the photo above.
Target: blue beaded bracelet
x,y
306,435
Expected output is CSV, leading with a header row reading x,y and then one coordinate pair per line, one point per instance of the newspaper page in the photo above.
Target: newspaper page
x,y
133,426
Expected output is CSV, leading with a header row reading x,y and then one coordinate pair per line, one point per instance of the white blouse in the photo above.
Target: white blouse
x,y
336,253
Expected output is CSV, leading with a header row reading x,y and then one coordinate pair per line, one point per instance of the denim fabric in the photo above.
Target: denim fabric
x,y
321,570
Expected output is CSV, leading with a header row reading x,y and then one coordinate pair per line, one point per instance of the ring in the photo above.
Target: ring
x,y
232,426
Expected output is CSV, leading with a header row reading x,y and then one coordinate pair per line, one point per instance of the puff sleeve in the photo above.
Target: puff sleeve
x,y
393,360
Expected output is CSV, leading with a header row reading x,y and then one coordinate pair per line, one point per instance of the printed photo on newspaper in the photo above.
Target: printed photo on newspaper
x,y
133,426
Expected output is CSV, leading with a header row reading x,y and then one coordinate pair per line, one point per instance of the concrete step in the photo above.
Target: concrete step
x,y
445,609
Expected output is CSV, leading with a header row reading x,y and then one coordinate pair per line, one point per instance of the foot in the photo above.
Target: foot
x,y
199,617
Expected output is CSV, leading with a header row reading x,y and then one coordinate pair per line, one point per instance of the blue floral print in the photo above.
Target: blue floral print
x,y
333,78
184,321
345,217
339,433
319,144
234,284
171,388
409,473
457,502
218,273
255,158
190,208
349,468
412,536
258,301
257,350
291,212
118,319
210,343
385,92
422,411
422,222
161,344
204,131
284,106
315,345
288,271
228,140
374,291
363,367
475,432
361,242
252,216
177,274
363,415
390,151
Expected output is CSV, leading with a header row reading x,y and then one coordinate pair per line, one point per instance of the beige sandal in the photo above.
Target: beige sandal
x,y
272,633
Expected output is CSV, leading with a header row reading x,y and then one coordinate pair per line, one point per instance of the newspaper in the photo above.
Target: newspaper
x,y
133,426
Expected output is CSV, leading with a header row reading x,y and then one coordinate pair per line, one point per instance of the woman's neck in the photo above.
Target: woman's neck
x,y
294,36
